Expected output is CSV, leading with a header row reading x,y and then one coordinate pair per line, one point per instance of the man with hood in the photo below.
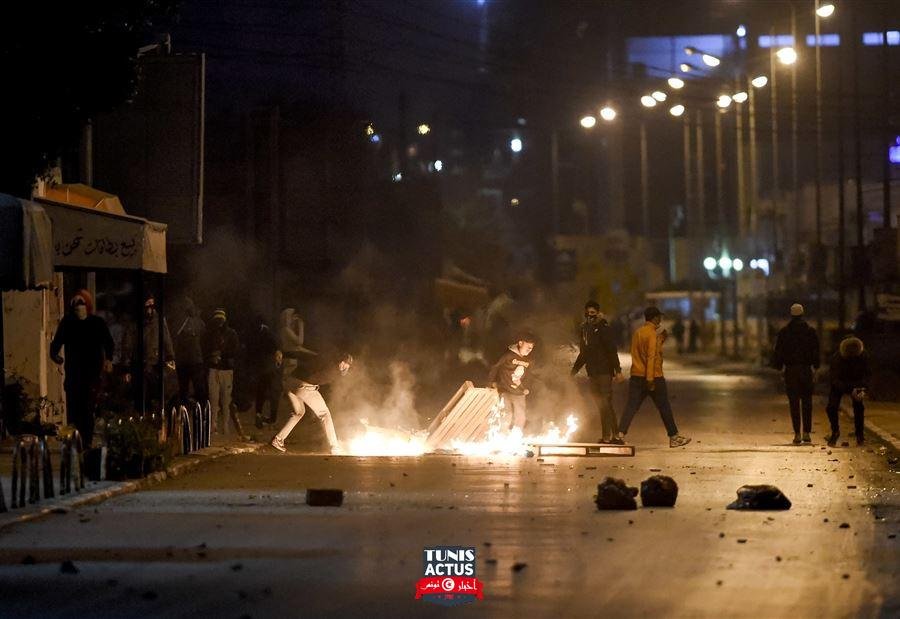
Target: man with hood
x,y
152,379
88,348
511,378
304,390
189,354
797,353
220,349
597,351
849,375
265,359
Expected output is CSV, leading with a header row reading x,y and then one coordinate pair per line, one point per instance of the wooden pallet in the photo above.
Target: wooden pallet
x,y
582,449
464,418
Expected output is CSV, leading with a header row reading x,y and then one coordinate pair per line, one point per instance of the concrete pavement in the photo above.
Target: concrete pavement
x,y
235,538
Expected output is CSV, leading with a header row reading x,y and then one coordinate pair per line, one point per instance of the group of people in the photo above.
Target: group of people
x,y
510,375
796,353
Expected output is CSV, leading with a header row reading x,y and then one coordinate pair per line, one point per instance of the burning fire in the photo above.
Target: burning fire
x,y
384,442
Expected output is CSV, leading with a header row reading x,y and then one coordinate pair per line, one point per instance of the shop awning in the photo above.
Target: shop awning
x,y
90,238
26,245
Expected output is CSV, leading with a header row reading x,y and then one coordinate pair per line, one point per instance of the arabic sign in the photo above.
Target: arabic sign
x,y
449,576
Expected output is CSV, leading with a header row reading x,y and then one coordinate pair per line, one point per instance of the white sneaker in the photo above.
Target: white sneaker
x,y
278,444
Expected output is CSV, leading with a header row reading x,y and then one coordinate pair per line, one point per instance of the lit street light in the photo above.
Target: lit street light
x,y
608,114
741,31
739,97
648,101
589,121
759,81
658,95
676,83
786,55
709,263
515,145
423,129
825,10
686,67
676,110
710,60
723,101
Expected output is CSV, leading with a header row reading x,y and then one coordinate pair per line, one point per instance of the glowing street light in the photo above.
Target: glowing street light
x,y
723,101
423,129
515,145
825,10
658,95
676,110
710,61
686,67
676,83
759,81
648,101
741,31
725,263
787,55
737,264
438,165
709,263
739,97
589,121
608,114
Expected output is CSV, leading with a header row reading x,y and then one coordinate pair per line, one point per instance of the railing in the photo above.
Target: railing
x,y
189,426
31,466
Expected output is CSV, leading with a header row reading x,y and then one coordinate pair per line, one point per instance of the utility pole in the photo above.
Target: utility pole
x,y
795,167
819,269
554,174
700,230
720,186
741,227
754,169
645,192
860,242
776,176
842,236
276,230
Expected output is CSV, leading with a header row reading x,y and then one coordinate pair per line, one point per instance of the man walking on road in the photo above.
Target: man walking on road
x,y
597,350
849,372
797,353
647,377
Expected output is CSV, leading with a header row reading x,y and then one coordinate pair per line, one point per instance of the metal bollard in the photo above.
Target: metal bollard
x,y
2,500
188,435
78,456
65,480
34,481
46,468
208,424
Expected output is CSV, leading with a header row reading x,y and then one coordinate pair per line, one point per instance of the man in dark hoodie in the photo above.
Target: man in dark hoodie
x,y
511,378
304,389
597,351
88,347
849,375
220,348
797,352
265,359
189,354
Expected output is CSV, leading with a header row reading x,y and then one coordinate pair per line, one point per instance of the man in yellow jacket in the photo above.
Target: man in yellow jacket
x,y
647,377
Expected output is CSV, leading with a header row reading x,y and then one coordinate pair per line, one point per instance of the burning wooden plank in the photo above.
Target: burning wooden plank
x,y
465,418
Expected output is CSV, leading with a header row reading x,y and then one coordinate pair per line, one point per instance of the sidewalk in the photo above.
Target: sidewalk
x,y
96,491
882,418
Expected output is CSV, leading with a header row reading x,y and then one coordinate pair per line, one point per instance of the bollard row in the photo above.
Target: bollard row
x,y
31,467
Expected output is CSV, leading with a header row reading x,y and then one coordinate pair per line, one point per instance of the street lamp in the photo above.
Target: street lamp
x,y
676,83
658,95
787,55
686,67
423,129
710,60
676,110
739,97
589,121
825,10
723,101
759,81
515,145
648,101
608,114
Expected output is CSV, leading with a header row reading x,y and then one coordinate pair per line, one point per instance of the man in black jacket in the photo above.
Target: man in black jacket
x,y
849,374
511,378
220,349
797,352
597,351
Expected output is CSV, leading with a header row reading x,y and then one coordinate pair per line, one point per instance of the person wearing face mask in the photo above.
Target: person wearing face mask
x,y
511,378
88,347
597,351
152,378
220,348
647,377
303,391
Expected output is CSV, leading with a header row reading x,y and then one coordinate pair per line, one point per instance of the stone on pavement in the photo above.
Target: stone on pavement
x,y
659,491
615,494
760,497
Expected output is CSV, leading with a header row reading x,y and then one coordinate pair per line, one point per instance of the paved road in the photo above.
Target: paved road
x,y
236,539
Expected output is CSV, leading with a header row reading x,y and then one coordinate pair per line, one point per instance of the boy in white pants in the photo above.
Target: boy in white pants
x,y
305,393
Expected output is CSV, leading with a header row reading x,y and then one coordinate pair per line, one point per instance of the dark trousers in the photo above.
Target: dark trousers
x,y
81,407
601,391
268,389
798,384
637,391
193,375
834,405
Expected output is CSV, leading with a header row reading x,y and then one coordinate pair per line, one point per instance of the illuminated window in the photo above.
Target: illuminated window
x,y
825,40
874,38
779,40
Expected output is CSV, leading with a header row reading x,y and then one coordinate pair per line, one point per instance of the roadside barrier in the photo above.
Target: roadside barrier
x,y
71,465
31,466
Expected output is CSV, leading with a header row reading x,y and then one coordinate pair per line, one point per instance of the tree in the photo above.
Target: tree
x,y
61,64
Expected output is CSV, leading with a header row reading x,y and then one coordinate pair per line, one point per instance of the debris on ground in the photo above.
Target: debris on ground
x,y
67,567
518,567
28,560
742,540
324,497
844,525
659,491
615,494
762,497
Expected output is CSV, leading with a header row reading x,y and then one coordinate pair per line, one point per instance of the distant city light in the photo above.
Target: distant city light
x,y
514,202
658,95
423,129
375,138
725,263
753,263
690,51
370,129
741,31
608,114
521,122
759,81
481,2
676,110
397,177
894,151
676,83
709,263
686,67
710,60
588,121
786,55
763,265
648,101
739,97
723,101
438,165
825,10
737,264
515,145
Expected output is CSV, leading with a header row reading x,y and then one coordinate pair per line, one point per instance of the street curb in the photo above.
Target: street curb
x,y
183,464
881,432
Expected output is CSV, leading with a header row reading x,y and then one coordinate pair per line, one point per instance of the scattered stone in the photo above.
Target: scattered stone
x,y
892,535
237,567
405,475
851,477
518,567
149,595
659,491
809,485
488,544
721,535
28,560
631,522
761,497
844,525
825,520
491,561
718,583
828,452
846,576
67,567
742,541
325,497
655,470
851,487
845,444
615,494
778,558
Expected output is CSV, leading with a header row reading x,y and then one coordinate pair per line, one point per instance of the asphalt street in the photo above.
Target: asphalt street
x,y
236,539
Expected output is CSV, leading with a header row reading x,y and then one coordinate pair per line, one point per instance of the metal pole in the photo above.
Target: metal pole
x,y
645,192
688,182
886,102
700,230
795,167
860,246
842,237
554,174
720,189
741,182
820,275
754,168
776,177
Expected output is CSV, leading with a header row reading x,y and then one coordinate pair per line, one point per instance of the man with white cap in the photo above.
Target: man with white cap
x,y
797,353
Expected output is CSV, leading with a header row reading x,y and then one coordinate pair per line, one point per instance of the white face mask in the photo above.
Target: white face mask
x,y
81,312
